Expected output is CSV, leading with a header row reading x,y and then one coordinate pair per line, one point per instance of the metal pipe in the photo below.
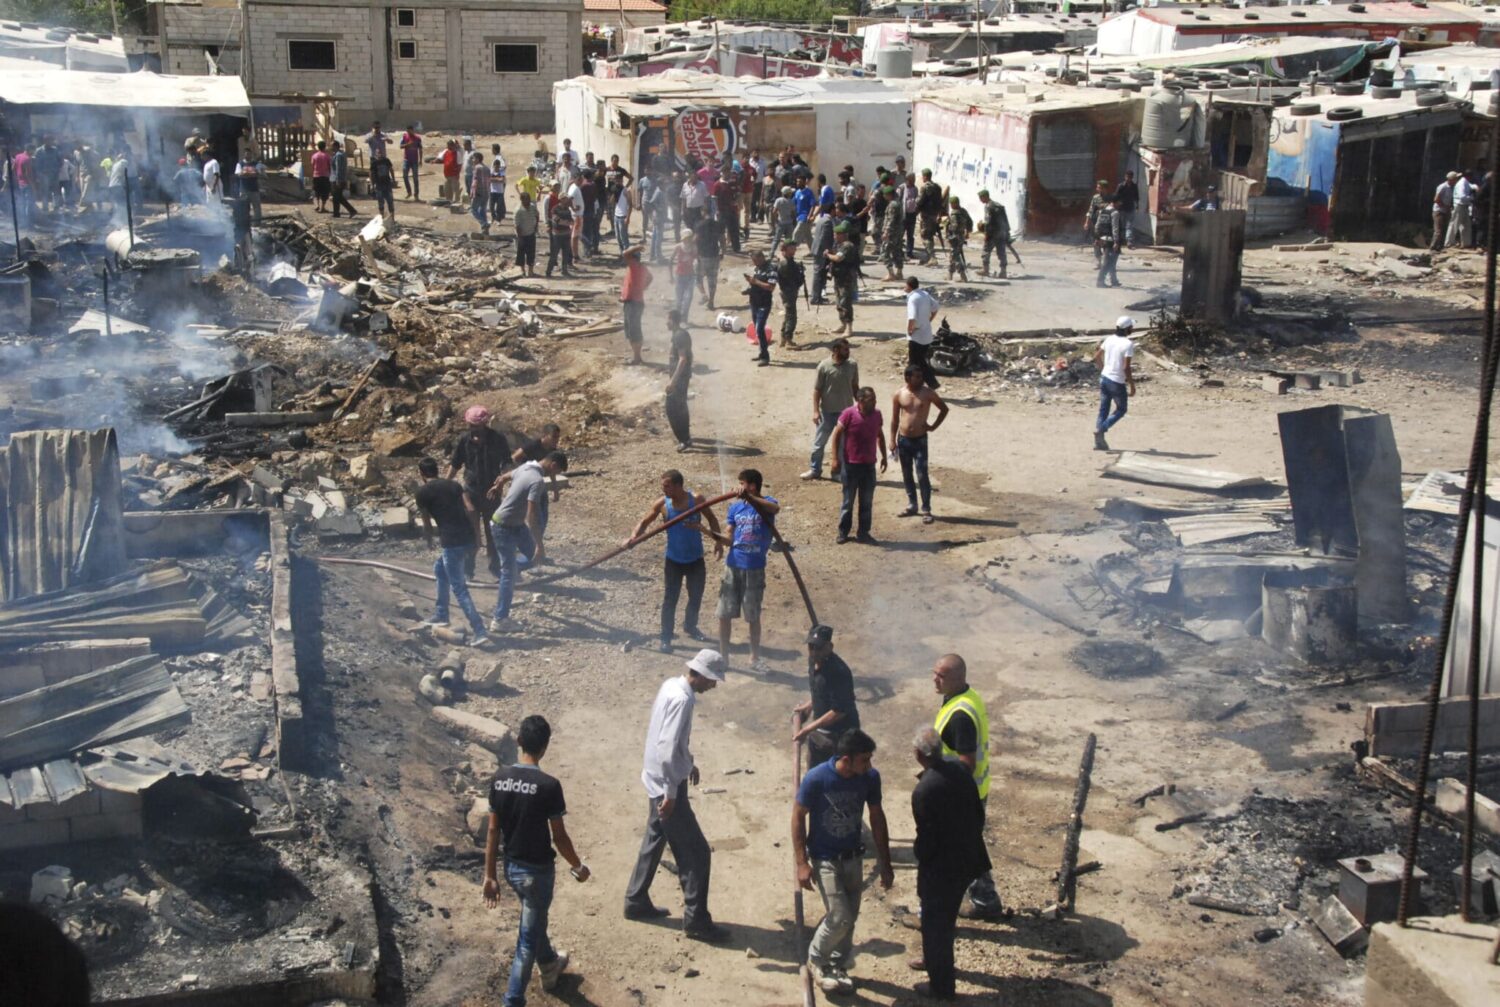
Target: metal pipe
x,y
798,913
15,218
129,214
104,278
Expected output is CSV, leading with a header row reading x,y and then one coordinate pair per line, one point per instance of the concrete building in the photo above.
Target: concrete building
x,y
831,121
1148,31
618,16
483,64
1037,150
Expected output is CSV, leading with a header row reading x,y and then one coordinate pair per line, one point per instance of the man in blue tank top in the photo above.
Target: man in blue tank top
x,y
684,560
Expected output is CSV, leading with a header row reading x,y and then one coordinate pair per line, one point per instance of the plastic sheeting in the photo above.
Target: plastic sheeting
x,y
143,89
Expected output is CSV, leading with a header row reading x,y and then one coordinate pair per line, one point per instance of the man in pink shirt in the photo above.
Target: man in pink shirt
x,y
21,179
322,167
858,433
633,300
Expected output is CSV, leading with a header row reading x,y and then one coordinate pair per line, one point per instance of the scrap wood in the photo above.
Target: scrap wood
x,y
1373,770
1138,466
1223,715
1067,875
1160,790
1225,905
589,330
359,386
1182,820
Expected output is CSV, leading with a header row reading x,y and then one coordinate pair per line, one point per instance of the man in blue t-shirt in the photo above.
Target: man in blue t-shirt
x,y
834,795
748,535
684,560
804,199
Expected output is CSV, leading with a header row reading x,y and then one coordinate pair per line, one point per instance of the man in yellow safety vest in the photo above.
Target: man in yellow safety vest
x,y
964,727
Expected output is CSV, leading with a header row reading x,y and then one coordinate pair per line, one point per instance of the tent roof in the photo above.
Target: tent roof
x,y
139,90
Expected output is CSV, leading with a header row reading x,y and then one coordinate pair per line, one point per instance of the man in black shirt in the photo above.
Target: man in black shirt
x,y
762,285
1128,196
482,454
791,279
526,809
831,711
950,854
444,501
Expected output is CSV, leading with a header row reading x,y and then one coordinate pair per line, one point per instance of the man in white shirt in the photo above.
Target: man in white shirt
x,y
668,768
921,309
213,189
694,201
1116,381
1461,227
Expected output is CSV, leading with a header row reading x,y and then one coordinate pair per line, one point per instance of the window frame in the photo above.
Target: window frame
x,y
312,41
411,11
403,42
535,47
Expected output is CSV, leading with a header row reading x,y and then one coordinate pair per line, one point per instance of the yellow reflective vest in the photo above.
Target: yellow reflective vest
x,y
969,702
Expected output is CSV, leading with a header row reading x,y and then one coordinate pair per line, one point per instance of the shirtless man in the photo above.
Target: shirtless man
x,y
909,429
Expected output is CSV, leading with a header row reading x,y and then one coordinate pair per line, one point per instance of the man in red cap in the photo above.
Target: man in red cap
x,y
482,454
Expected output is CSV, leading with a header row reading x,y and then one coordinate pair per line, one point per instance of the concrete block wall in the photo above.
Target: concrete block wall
x,y
422,82
95,814
272,25
516,100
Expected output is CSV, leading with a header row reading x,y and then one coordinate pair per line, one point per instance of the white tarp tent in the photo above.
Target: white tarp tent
x,y
139,90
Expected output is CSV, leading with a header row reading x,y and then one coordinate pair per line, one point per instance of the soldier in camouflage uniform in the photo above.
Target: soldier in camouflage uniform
x,y
843,262
996,228
957,230
1097,205
895,233
929,209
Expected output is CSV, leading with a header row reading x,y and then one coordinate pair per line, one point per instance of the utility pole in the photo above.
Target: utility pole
x,y
114,17
979,55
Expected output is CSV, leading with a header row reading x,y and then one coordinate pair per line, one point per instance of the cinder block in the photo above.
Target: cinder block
x,y
1275,385
113,802
483,731
1450,797
120,825
26,834
84,804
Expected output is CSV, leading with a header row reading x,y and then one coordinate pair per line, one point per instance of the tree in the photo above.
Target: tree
x,y
798,11
82,15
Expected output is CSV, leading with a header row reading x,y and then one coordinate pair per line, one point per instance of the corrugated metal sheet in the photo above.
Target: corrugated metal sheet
x,y
60,511
130,699
129,768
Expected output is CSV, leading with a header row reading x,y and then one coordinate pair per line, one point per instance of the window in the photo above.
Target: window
x,y
511,57
406,17
406,50
307,54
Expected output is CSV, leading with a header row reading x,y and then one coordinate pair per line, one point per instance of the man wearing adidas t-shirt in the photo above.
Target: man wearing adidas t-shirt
x,y
526,814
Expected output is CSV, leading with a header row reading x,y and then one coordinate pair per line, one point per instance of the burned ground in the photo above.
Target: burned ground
x,y
1255,745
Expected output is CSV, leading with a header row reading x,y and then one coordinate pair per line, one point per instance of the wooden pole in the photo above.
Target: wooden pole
x,y
1067,877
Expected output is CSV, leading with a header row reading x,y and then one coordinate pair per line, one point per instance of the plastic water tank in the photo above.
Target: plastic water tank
x,y
1169,119
893,62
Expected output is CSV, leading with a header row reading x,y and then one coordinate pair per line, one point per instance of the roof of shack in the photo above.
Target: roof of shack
x,y
677,89
51,85
1028,99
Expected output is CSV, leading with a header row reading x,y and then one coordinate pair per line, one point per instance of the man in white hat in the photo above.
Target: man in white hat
x,y
668,769
1116,381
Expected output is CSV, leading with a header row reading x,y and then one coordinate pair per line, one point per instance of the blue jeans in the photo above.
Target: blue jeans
x,y
913,454
824,430
1109,258
684,295
449,571
1111,392
479,210
509,541
658,227
385,200
410,179
759,317
533,884
622,232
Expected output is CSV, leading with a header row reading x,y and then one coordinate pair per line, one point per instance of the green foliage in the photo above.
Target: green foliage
x,y
801,11
84,15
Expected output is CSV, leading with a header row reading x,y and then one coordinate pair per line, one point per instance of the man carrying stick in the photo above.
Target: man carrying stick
x,y
749,540
684,559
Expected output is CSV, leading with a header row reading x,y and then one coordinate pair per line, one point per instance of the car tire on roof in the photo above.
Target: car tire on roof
x,y
1344,113
1306,108
1385,92
1429,100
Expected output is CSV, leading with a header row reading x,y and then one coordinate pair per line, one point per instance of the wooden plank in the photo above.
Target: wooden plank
x,y
1138,467
1396,728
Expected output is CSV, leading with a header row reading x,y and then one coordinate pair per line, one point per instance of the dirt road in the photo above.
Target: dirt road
x,y
1018,483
